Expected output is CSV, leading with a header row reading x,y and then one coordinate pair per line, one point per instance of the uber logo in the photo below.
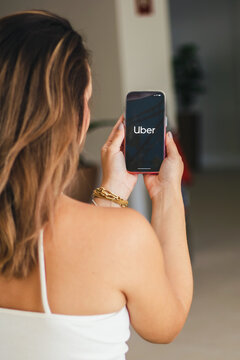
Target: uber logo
x,y
142,130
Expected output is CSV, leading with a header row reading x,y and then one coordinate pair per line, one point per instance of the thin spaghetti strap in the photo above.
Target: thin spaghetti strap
x,y
43,274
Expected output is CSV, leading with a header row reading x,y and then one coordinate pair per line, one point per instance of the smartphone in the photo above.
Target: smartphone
x,y
145,131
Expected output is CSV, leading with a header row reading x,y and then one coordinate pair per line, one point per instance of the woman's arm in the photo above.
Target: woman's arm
x,y
115,176
152,260
168,221
155,277
159,283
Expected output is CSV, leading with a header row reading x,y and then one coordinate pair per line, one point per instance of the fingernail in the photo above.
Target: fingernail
x,y
170,135
120,126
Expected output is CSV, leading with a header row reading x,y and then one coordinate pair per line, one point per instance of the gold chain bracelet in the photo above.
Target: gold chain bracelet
x,y
101,192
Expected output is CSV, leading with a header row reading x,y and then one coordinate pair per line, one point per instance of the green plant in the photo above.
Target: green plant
x,y
188,76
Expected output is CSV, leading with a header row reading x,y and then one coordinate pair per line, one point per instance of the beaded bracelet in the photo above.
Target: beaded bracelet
x,y
101,192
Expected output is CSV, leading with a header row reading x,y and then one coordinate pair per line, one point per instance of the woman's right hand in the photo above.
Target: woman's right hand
x,y
170,174
116,178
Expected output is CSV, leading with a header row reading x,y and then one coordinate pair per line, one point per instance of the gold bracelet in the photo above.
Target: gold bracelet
x,y
101,192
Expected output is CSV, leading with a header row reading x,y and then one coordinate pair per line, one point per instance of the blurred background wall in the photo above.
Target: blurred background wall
x,y
214,27
145,62
145,48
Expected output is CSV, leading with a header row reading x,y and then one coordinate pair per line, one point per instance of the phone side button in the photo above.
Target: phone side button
x,y
166,121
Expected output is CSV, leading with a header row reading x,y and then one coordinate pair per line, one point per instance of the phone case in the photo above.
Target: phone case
x,y
165,126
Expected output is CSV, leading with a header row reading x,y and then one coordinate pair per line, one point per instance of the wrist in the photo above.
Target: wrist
x,y
167,208
169,192
105,202
117,189
167,199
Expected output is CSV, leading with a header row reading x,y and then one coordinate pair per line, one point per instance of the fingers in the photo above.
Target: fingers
x,y
173,154
146,178
116,136
171,147
115,128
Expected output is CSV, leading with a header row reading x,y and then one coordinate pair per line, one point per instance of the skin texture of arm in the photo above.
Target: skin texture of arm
x,y
158,287
159,291
168,221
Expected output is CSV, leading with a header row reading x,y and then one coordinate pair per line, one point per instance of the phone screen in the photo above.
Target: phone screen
x,y
145,131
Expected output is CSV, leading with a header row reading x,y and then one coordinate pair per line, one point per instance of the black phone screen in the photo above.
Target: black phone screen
x,y
145,131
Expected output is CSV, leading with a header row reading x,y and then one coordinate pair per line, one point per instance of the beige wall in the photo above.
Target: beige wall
x,y
145,64
145,50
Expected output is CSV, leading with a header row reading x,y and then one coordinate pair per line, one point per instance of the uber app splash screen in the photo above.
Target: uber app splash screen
x,y
144,147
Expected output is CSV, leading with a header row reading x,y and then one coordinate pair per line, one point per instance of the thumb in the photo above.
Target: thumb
x,y
171,147
116,137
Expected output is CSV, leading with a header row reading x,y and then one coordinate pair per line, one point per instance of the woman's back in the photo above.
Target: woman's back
x,y
81,280
81,265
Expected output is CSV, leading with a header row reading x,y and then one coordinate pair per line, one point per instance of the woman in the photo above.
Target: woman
x,y
74,275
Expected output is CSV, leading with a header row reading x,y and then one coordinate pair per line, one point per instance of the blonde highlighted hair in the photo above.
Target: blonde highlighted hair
x,y
43,77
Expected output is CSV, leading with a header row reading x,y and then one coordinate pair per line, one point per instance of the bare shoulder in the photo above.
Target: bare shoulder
x,y
124,234
89,246
108,218
109,238
121,231
118,253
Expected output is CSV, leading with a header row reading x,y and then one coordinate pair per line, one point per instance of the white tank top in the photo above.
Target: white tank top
x,y
27,335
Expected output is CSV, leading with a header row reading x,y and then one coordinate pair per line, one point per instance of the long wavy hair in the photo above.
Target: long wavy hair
x,y
43,77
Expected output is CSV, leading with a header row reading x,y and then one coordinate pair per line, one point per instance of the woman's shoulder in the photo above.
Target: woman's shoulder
x,y
107,216
103,226
94,247
88,247
108,231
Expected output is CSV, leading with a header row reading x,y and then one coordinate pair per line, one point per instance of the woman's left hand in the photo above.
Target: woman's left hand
x,y
116,178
